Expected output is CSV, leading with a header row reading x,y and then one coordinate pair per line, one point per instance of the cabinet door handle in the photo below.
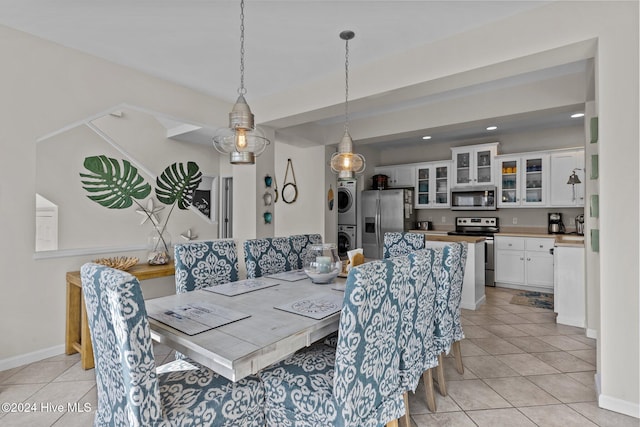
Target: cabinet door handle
x,y
528,259
521,259
541,246
510,244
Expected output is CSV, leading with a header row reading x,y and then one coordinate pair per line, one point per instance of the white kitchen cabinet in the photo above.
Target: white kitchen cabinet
x,y
473,164
524,263
399,175
569,286
432,185
522,180
562,165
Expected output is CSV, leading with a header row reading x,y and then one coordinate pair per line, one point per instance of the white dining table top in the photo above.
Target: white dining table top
x,y
246,346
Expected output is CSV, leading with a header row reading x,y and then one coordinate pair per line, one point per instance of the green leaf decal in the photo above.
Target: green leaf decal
x,y
177,184
111,185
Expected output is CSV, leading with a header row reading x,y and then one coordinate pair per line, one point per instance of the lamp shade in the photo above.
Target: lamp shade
x,y
345,162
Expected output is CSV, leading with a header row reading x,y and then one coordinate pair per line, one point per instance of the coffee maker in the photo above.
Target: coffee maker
x,y
555,223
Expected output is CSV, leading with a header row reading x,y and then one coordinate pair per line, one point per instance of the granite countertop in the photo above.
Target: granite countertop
x,y
446,238
567,240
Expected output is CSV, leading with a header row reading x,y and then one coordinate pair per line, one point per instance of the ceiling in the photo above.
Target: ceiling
x,y
289,44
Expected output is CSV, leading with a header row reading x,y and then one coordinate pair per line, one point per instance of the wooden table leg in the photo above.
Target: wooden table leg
x,y
72,336
86,355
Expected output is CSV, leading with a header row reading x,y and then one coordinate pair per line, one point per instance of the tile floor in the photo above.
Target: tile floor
x,y
521,369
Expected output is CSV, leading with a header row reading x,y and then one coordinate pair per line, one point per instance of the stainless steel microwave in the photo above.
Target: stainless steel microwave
x,y
478,198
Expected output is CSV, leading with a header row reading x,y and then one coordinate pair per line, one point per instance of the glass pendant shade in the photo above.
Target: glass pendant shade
x,y
345,162
241,140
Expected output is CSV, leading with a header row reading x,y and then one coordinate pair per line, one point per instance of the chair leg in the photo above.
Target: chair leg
x,y
405,420
442,383
427,376
393,423
457,354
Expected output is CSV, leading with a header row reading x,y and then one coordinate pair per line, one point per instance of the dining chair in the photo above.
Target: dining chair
x,y
396,243
357,384
269,255
131,391
299,244
203,264
447,326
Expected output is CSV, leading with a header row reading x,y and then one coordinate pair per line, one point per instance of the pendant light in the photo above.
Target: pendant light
x,y
345,162
241,140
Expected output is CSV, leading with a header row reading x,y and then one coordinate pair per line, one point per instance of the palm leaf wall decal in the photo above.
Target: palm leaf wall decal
x,y
177,184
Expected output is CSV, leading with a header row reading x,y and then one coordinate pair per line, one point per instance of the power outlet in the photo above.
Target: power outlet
x,y
444,219
572,221
515,220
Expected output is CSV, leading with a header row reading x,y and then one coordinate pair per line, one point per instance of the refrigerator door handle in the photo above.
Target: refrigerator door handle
x,y
378,222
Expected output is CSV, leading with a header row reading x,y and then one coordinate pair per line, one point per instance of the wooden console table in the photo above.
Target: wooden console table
x,y
78,339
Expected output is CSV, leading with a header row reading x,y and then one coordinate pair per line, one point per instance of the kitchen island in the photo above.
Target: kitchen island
x,y
473,286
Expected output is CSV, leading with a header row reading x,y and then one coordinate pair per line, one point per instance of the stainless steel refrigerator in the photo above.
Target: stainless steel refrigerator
x,y
385,211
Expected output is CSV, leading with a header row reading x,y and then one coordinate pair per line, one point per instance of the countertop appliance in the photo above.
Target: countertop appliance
x,y
477,198
485,227
556,226
580,225
379,182
385,211
424,225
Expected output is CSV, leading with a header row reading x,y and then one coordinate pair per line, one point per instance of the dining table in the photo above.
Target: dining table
x,y
239,328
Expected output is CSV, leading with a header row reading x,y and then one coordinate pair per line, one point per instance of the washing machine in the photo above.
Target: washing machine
x,y
347,197
346,239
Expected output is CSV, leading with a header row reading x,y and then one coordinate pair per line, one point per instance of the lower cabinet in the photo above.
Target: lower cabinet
x,y
524,263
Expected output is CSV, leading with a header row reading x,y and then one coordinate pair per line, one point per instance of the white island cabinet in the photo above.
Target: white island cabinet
x,y
569,295
524,263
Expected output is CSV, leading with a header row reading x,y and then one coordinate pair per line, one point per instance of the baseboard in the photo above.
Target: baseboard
x,y
473,306
570,321
614,404
592,333
36,356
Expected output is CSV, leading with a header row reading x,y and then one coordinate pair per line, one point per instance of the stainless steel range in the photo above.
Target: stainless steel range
x,y
485,227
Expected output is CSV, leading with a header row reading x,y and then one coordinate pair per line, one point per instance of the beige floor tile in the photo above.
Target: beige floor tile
x,y
585,340
8,373
556,416
535,330
604,418
488,367
76,419
451,373
517,309
482,319
540,317
511,319
75,357
468,348
62,392
519,391
492,310
586,377
565,329
504,331
564,362
448,419
500,417
527,364
465,322
588,356
475,394
473,331
531,344
40,372
418,405
31,419
564,388
564,342
77,373
15,393
496,345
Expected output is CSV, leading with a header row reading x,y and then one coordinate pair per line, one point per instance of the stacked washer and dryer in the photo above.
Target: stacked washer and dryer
x,y
347,217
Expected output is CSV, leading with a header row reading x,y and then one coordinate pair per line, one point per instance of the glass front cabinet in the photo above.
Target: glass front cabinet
x,y
522,180
473,165
432,185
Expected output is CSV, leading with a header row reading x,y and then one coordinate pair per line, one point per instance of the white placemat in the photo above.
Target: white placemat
x,y
289,276
195,318
240,287
317,306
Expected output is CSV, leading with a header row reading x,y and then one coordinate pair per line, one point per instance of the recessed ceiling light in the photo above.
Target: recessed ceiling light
x,y
492,127
577,115
426,137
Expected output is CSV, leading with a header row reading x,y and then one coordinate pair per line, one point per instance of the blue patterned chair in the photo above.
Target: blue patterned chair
x,y
358,383
131,392
299,243
397,244
447,326
269,256
203,264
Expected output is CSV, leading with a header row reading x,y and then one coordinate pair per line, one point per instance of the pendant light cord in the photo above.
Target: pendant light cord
x,y
241,89
346,86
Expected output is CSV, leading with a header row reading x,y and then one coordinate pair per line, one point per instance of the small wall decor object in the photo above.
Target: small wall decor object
x,y
268,181
290,189
595,240
267,197
593,123
594,166
267,217
188,235
330,197
121,263
149,212
595,206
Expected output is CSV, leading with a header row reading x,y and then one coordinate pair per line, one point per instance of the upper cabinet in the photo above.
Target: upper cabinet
x,y
523,180
562,165
432,185
473,164
399,176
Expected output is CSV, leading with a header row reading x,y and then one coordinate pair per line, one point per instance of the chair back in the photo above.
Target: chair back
x,y
418,354
203,264
449,273
366,385
268,256
125,369
299,244
398,244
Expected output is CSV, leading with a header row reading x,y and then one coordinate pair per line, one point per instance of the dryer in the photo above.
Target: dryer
x,y
346,239
347,201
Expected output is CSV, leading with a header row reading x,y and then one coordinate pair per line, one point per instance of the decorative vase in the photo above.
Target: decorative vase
x,y
322,263
159,248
